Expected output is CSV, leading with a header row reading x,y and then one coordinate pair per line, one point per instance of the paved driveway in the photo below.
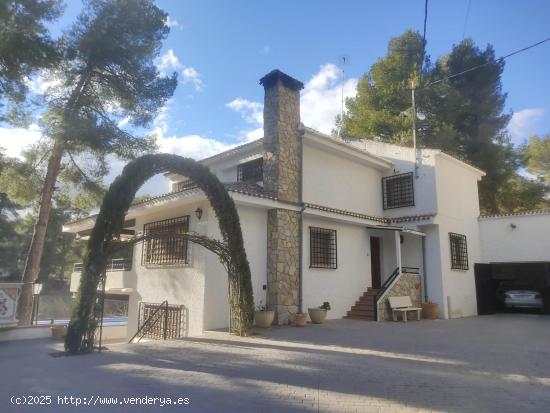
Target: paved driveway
x,y
482,364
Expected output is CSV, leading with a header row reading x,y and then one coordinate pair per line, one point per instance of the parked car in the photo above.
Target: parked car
x,y
523,299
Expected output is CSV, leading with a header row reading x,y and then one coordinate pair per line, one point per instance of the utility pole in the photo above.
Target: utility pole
x,y
414,129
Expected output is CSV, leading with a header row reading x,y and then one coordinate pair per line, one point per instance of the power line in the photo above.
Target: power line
x,y
500,59
423,40
466,18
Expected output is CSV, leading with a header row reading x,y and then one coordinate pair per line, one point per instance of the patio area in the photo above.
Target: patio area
x,y
495,363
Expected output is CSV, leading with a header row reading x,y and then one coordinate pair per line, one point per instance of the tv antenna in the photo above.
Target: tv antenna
x,y
344,60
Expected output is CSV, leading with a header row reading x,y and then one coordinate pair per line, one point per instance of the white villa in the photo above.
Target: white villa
x,y
323,219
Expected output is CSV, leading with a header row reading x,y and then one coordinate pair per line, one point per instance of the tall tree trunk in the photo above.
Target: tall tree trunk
x,y
32,263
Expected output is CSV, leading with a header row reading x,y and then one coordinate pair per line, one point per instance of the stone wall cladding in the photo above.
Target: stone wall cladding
x,y
282,142
282,171
283,260
407,284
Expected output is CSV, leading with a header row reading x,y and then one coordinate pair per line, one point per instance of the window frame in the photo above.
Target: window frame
x,y
157,246
242,172
185,185
385,197
315,254
458,244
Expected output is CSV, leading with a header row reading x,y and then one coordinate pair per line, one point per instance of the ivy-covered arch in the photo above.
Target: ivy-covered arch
x,y
109,224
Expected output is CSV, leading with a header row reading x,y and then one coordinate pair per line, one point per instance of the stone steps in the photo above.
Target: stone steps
x,y
358,317
364,307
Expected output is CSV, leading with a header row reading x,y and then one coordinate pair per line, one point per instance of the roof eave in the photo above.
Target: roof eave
x,y
323,141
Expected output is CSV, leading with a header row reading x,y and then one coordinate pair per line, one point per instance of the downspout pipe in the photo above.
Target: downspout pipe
x,y
424,271
301,131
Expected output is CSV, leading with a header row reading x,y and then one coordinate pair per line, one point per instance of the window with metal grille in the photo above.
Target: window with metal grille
x,y
184,185
459,251
398,191
322,245
251,171
165,246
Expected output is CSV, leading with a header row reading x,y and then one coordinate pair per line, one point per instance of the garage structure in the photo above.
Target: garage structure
x,y
516,255
494,279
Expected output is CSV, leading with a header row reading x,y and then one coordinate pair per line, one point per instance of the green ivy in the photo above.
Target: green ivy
x,y
109,223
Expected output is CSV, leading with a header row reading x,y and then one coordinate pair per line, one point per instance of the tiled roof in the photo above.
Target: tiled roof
x,y
243,188
249,189
544,211
237,149
384,220
345,212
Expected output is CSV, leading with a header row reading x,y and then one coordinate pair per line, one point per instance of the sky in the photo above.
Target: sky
x,y
221,49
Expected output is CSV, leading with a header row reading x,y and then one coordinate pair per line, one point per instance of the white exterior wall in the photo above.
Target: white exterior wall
x,y
529,241
254,229
342,286
183,285
458,211
425,199
337,182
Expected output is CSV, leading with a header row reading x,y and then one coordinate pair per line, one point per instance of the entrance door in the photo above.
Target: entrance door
x,y
375,262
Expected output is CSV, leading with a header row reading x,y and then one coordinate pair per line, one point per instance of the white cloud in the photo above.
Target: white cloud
x,y
321,99
173,23
15,140
190,75
266,49
252,113
169,62
523,124
192,146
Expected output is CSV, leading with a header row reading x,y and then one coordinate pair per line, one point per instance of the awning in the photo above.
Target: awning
x,y
396,228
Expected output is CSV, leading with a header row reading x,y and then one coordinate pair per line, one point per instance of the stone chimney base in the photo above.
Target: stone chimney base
x,y
283,263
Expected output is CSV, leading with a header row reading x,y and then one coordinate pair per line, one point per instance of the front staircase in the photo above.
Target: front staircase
x,y
364,308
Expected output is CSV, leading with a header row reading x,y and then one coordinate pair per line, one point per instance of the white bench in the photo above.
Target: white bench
x,y
402,305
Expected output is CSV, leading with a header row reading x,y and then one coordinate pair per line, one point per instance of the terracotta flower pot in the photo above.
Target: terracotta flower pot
x,y
317,315
430,311
300,320
264,318
59,332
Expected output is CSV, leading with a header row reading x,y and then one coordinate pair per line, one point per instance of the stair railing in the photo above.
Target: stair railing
x,y
388,283
154,318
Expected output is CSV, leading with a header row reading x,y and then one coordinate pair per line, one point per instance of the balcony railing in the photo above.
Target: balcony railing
x,y
116,264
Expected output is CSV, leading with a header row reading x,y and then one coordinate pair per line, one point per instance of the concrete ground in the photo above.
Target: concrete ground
x,y
495,363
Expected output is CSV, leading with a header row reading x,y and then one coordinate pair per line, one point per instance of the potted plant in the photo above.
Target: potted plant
x,y
59,331
300,320
318,314
430,311
263,317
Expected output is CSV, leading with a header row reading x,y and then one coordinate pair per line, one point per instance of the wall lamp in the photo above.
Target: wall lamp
x,y
198,213
513,226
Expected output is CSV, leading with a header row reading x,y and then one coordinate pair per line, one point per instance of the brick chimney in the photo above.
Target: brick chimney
x,y
282,170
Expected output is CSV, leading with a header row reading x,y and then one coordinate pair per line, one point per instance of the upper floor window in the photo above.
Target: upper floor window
x,y
251,171
459,251
184,185
322,245
163,244
398,191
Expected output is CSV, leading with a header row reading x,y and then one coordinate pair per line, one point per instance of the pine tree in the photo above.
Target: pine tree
x,y
25,47
462,115
106,74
